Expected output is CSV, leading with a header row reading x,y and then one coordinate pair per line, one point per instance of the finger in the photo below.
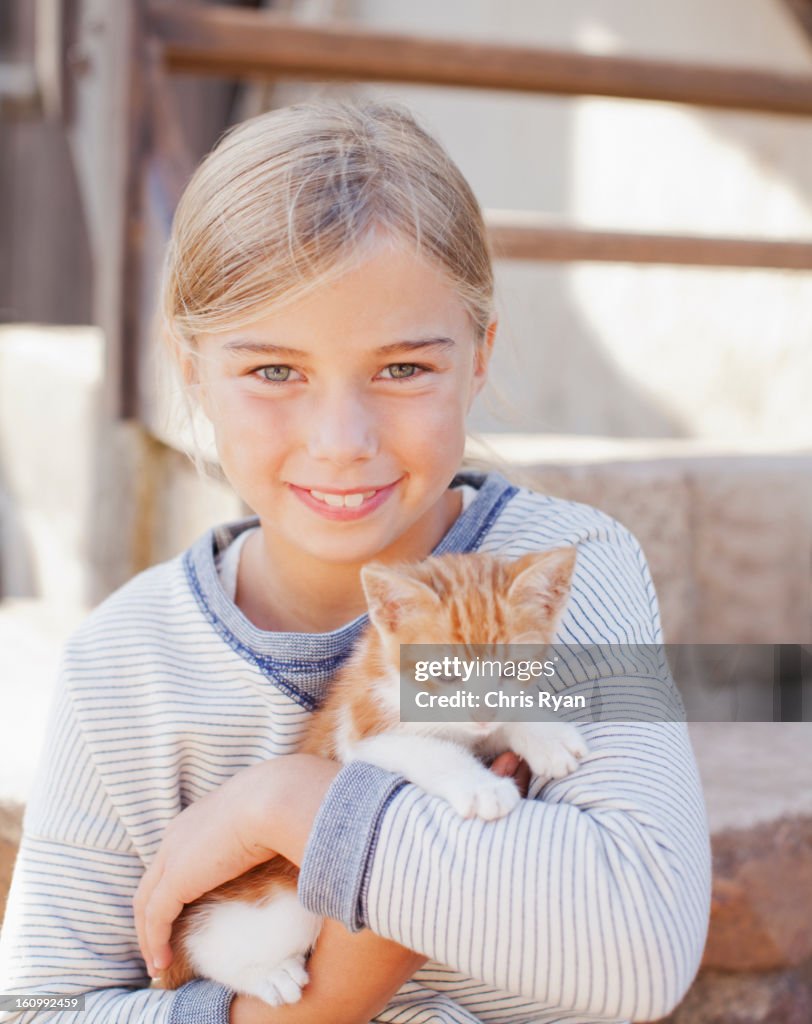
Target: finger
x,y
139,902
160,950
159,916
143,894
506,764
153,876
522,776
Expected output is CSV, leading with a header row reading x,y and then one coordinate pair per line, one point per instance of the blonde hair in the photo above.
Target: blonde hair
x,y
291,198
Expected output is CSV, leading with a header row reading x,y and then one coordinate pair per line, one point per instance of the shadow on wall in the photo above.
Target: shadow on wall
x,y
562,380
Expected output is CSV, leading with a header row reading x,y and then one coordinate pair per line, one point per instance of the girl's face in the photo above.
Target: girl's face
x,y
340,419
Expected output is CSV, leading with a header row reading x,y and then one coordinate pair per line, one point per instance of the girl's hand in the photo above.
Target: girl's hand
x,y
247,820
511,764
212,840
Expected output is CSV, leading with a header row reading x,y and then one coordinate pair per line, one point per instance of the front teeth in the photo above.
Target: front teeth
x,y
343,500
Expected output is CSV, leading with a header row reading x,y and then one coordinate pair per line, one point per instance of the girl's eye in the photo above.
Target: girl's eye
x,y
281,374
400,371
274,374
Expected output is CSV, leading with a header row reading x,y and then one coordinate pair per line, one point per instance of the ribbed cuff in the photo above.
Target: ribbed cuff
x,y
342,841
201,1002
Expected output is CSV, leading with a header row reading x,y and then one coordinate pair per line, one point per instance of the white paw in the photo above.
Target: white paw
x,y
471,796
556,754
282,984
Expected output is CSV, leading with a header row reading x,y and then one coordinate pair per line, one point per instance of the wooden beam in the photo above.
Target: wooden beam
x,y
238,43
522,236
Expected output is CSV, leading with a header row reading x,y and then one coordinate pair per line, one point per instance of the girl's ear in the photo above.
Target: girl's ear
x,y
188,370
482,359
187,361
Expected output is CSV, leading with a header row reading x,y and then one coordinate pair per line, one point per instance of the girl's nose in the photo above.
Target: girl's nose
x,y
342,429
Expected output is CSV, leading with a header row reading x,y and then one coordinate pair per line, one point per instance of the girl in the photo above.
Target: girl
x,y
328,299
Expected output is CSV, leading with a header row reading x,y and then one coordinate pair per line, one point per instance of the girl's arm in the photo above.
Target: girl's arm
x,y
352,978
592,897
68,928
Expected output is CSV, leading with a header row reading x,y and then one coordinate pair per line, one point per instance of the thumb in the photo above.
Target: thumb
x,y
505,764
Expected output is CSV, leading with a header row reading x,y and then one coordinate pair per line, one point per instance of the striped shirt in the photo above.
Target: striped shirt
x,y
588,902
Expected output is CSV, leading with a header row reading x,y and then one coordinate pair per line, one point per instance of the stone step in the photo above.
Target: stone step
x,y
757,964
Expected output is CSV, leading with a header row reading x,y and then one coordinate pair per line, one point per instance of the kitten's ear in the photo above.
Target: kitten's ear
x,y
392,595
543,580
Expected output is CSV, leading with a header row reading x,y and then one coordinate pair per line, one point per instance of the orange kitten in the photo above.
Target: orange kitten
x,y
252,933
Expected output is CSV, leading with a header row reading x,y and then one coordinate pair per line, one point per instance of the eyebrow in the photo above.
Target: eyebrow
x,y
265,348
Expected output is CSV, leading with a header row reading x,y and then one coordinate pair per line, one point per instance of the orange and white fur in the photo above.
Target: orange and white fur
x,y
252,933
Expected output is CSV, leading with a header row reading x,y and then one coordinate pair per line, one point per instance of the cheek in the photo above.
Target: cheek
x,y
438,426
248,427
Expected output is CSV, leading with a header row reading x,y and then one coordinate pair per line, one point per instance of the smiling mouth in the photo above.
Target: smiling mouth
x,y
346,499
354,500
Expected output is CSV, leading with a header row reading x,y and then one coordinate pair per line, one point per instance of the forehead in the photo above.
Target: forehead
x,y
386,294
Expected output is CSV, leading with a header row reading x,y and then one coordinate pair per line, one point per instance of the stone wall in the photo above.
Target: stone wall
x,y
727,530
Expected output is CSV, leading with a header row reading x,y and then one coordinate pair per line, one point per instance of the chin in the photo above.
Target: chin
x,y
345,554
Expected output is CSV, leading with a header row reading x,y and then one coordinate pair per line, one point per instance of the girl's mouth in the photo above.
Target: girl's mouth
x,y
354,500
343,507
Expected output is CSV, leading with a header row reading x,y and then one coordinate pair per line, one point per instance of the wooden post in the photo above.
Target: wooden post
x,y
108,133
52,21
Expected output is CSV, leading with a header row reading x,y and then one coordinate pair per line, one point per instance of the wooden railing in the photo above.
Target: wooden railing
x,y
240,43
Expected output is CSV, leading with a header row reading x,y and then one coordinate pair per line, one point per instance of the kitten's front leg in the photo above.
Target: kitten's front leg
x,y
443,769
552,749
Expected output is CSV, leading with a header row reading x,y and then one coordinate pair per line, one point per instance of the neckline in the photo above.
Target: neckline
x,y
304,651
227,559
